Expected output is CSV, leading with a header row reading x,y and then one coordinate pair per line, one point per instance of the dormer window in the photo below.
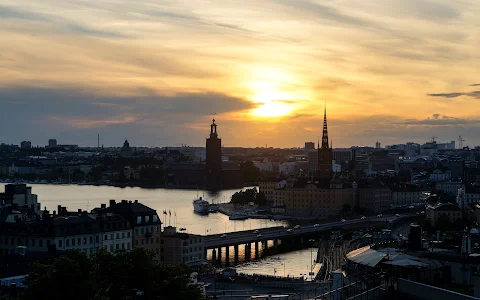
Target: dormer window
x,y
139,219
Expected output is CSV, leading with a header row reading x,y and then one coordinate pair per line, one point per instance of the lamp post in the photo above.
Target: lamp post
x,y
311,259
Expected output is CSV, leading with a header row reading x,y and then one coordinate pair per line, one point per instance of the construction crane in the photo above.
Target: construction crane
x,y
460,141
433,138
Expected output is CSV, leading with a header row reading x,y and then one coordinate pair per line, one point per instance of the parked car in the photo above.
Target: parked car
x,y
363,218
379,215
297,226
316,225
223,236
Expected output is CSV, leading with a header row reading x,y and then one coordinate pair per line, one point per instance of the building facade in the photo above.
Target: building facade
x,y
451,211
405,194
374,196
316,199
178,248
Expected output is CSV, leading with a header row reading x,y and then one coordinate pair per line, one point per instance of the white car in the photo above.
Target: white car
x,y
296,227
259,235
223,236
256,231
316,225
363,218
290,230
397,215
379,215
343,220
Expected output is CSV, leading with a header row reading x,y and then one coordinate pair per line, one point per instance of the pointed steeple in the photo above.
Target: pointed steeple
x,y
325,130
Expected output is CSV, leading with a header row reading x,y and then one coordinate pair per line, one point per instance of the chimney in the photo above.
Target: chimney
x,y
79,210
59,209
54,212
112,203
124,201
103,206
136,201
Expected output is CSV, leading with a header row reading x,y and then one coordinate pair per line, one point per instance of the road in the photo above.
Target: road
x,y
251,236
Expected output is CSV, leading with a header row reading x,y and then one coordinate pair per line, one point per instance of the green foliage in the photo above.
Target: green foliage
x,y
247,196
260,199
244,197
126,275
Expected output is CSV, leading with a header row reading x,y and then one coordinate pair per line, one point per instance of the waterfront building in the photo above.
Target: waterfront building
x,y
116,231
214,158
144,220
324,168
20,195
316,199
180,247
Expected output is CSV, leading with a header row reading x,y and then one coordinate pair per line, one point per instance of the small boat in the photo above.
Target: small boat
x,y
201,206
238,217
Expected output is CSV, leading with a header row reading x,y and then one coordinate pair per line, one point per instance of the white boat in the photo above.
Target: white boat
x,y
201,206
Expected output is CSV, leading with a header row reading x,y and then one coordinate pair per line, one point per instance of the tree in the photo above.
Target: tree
x,y
124,275
346,209
260,199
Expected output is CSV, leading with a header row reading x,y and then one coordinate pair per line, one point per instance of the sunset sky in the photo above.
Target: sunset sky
x,y
153,71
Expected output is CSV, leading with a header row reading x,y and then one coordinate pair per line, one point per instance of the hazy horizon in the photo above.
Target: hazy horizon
x,y
153,72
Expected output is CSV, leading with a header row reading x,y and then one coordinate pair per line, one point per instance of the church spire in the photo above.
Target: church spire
x,y
325,130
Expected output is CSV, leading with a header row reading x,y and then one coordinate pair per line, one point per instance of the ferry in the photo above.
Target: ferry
x,y
201,206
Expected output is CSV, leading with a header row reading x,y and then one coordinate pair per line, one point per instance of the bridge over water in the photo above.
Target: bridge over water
x,y
216,242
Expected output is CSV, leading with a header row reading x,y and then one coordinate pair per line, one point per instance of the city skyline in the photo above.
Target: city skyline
x,y
153,73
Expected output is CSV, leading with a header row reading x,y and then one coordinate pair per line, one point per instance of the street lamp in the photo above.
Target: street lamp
x,y
311,259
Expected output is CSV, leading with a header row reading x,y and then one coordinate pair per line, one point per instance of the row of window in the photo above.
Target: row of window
x,y
147,230
127,234
146,241
118,246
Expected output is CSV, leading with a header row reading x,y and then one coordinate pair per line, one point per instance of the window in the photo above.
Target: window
x,y
96,239
156,250
139,219
111,236
142,230
91,239
136,230
123,245
151,241
84,240
118,235
128,246
147,219
105,237
111,248
155,219
60,243
117,246
128,234
40,243
142,242
73,242
79,241
136,243
67,243
123,235
146,241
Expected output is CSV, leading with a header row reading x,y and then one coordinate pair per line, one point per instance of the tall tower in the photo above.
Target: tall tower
x,y
214,158
324,170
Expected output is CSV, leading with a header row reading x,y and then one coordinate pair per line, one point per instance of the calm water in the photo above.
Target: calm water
x,y
178,202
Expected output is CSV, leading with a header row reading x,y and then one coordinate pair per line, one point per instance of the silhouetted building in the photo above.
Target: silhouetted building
x,y
52,143
309,146
324,170
26,145
214,158
126,151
